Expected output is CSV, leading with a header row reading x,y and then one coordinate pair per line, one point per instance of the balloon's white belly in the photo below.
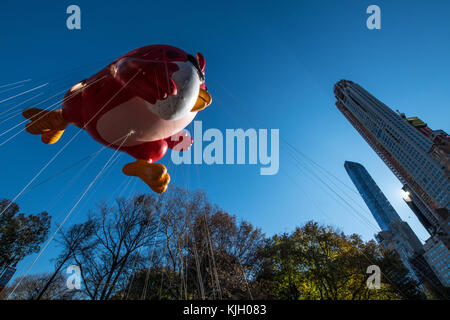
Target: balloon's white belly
x,y
132,123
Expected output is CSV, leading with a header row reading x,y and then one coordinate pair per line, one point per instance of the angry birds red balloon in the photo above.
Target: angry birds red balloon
x,y
139,104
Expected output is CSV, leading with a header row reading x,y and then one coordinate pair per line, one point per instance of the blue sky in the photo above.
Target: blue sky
x,y
269,64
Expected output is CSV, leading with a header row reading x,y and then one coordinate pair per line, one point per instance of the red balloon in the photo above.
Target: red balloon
x,y
139,104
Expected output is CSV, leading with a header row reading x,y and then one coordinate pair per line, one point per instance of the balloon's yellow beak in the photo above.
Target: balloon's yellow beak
x,y
204,99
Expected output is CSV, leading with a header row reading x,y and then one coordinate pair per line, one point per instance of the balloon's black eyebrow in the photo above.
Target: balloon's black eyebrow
x,y
194,61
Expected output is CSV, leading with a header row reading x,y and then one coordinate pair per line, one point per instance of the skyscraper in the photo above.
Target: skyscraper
x,y
378,204
395,234
438,256
417,156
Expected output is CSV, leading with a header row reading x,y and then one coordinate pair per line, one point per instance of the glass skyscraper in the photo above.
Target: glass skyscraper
x,y
378,204
395,234
418,158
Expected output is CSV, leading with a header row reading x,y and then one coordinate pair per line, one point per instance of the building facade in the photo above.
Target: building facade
x,y
395,234
417,155
403,240
438,257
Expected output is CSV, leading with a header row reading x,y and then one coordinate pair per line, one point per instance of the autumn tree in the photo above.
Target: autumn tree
x,y
318,262
20,234
225,251
204,253
179,245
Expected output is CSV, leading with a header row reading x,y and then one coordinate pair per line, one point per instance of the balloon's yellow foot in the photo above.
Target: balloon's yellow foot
x,y
49,124
153,174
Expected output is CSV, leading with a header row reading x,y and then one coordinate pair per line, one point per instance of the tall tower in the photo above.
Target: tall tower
x,y
419,161
378,204
395,234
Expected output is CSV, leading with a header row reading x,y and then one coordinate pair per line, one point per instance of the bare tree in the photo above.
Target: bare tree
x,y
204,253
31,286
122,234
76,239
